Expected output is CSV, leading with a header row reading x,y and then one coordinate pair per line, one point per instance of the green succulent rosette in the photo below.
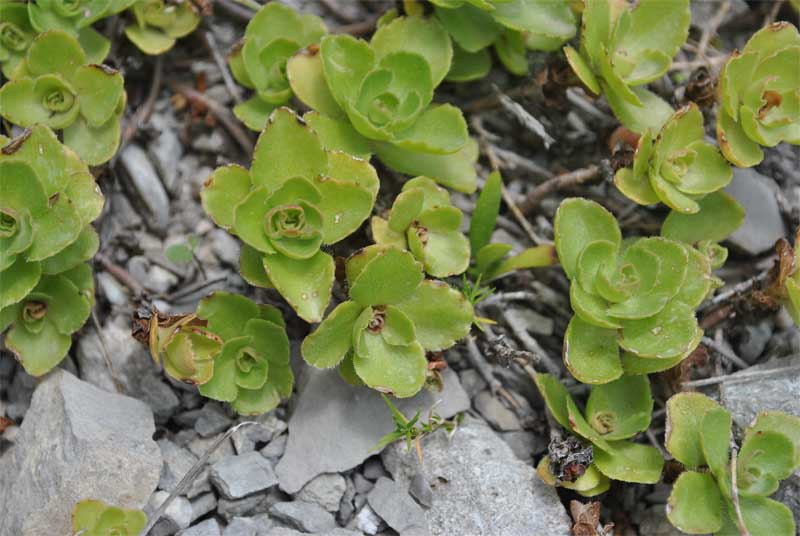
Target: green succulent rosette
x,y
158,24
510,26
380,93
634,300
296,197
16,35
424,222
620,52
185,346
96,518
792,285
699,436
379,337
258,62
615,413
251,370
56,86
759,95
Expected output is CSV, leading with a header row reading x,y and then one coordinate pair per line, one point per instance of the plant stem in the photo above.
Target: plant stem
x,y
743,376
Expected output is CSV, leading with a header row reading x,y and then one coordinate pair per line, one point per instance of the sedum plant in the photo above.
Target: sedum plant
x,y
380,93
726,492
158,24
258,61
510,26
96,518
48,201
758,95
620,52
379,337
295,198
55,85
423,221
615,412
634,300
16,35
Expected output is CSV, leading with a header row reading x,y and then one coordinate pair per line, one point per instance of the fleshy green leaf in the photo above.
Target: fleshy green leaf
x,y
306,284
18,280
441,314
579,222
720,215
389,277
95,145
226,313
484,216
338,135
695,504
332,340
630,462
99,90
471,28
305,73
620,409
715,440
440,129
555,395
423,36
669,333
38,352
222,191
456,170
399,370
251,267
254,112
652,113
591,353
685,413
469,66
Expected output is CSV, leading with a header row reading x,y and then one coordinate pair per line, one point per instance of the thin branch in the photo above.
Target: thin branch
x,y
120,274
725,353
491,102
743,376
735,291
525,118
106,354
567,180
479,363
145,110
230,85
358,28
219,111
235,10
711,28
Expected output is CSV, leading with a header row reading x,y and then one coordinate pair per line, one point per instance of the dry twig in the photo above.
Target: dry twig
x,y
567,180
219,111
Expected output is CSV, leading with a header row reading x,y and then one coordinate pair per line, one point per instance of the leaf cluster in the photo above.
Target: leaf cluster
x,y
96,518
413,430
158,24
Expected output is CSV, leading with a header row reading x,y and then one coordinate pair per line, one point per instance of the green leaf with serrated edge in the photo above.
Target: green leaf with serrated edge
x,y
441,314
620,409
440,129
484,216
470,27
356,263
634,365
776,421
254,112
469,66
591,353
345,62
685,412
338,135
399,370
719,216
579,425
579,222
398,329
332,340
287,148
55,229
222,191
344,207
347,371
582,69
222,385
343,166
698,282
81,188
257,401
535,257
251,267
95,518
554,19
226,313
672,197
762,517
652,114
766,457
94,44
389,277
591,309
715,440
636,188
99,90
555,396
39,353
734,143
695,504
18,280
672,258
95,145
456,170
305,284
40,149
630,462
669,333
305,74
423,36
708,172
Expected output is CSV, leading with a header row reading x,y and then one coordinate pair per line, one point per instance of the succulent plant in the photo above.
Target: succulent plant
x,y
16,35
699,436
186,347
423,221
511,26
638,295
615,413
96,518
379,337
296,197
56,86
258,62
620,52
158,24
46,291
758,95
382,90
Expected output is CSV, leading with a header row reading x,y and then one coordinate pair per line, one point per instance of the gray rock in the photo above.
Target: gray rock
x,y
654,522
166,149
248,526
224,246
302,515
177,516
211,420
76,442
472,382
238,476
367,520
285,531
202,505
479,487
395,506
148,189
257,435
275,448
374,469
258,503
762,225
111,289
534,322
361,484
325,490
754,340
747,398
500,417
789,494
420,490
160,280
525,444
199,446
209,527
159,396
177,462
351,420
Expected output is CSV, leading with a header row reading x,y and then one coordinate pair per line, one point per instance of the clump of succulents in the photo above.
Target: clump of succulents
x,y
56,85
16,35
758,95
158,24
615,412
96,518
423,221
379,337
381,93
258,62
296,197
510,26
637,295
720,492
623,48
48,201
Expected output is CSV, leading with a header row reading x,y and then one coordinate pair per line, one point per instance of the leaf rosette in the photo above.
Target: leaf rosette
x,y
258,62
424,222
16,35
637,295
620,52
379,337
759,95
186,348
615,413
158,24
56,86
296,197
95,518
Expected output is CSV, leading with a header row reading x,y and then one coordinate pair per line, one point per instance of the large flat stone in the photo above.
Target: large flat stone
x,y
762,225
747,398
76,442
336,426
